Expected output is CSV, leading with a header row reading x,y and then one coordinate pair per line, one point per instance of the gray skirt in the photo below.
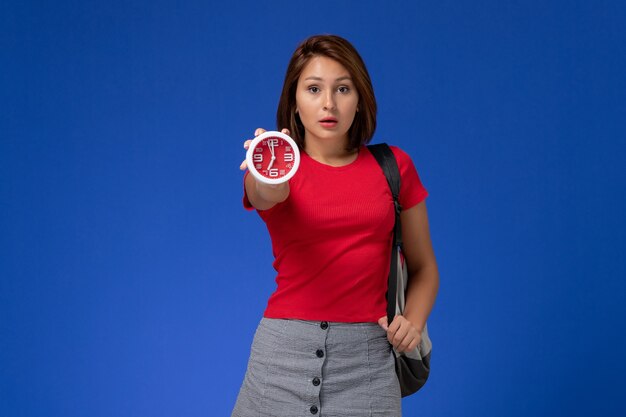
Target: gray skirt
x,y
307,368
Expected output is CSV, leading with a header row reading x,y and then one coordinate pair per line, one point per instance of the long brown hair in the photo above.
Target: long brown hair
x,y
342,51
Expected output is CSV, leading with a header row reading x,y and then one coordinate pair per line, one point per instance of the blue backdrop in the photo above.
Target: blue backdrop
x,y
131,278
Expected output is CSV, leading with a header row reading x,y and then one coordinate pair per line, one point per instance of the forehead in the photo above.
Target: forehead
x,y
325,68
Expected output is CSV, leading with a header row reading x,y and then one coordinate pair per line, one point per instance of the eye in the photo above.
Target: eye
x,y
313,89
343,89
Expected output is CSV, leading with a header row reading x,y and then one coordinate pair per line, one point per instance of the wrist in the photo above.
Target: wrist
x,y
274,193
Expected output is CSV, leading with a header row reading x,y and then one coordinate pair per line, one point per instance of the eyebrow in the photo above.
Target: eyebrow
x,y
321,79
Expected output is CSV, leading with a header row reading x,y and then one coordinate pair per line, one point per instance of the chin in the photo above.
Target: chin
x,y
329,134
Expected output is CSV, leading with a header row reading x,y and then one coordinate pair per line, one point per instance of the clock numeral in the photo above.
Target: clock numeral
x,y
287,148
257,157
273,142
288,166
273,172
258,150
288,157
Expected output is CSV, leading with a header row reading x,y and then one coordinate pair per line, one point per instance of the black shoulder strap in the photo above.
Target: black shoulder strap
x,y
387,161
389,165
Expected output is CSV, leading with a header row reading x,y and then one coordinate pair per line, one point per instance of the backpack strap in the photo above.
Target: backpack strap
x,y
387,161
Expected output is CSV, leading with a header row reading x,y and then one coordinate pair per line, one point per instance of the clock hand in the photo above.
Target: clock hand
x,y
272,149
271,146
271,163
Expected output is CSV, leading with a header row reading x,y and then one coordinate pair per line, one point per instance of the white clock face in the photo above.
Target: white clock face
x,y
273,157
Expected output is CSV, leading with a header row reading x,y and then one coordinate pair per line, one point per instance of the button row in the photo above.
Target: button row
x,y
320,354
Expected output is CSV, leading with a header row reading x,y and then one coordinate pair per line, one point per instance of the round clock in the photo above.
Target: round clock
x,y
273,157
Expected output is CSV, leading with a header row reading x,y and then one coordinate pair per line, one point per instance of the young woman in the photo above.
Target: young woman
x,y
323,346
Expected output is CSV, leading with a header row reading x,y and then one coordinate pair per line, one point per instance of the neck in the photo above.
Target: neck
x,y
330,152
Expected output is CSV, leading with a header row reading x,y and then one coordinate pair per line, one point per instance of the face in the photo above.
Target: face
x,y
326,100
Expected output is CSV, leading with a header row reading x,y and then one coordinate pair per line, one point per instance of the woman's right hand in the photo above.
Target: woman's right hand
x,y
246,145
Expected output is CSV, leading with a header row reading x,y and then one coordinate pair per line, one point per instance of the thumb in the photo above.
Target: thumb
x,y
382,322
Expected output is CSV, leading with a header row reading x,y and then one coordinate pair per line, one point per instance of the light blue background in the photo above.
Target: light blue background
x,y
132,280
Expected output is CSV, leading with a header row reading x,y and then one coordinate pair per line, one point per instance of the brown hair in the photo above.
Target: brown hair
x,y
342,51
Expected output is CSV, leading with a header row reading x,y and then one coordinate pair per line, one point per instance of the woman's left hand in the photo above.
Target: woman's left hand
x,y
401,334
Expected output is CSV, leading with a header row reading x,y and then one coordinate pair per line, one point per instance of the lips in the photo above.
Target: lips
x,y
328,122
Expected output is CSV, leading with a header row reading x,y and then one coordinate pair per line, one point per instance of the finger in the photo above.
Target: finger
x,y
395,323
286,132
243,166
413,344
399,337
392,331
258,131
393,337
406,342
401,333
382,322
246,144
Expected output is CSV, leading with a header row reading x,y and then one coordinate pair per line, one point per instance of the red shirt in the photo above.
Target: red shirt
x,y
331,239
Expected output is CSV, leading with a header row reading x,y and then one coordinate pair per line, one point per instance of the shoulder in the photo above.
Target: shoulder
x,y
400,154
397,151
403,159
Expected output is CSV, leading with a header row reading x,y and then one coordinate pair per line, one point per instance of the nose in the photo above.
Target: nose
x,y
329,100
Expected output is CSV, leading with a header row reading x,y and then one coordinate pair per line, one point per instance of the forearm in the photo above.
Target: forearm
x,y
264,196
421,293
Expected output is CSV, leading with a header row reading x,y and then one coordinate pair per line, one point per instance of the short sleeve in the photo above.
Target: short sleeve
x,y
412,191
